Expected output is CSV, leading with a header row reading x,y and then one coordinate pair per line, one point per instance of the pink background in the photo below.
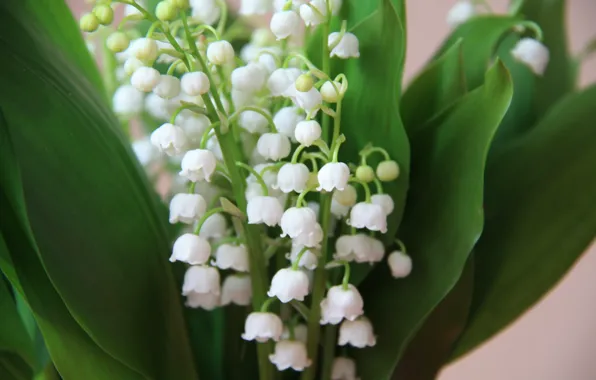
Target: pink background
x,y
556,340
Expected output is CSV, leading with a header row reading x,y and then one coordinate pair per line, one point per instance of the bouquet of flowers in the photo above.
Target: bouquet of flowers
x,y
324,222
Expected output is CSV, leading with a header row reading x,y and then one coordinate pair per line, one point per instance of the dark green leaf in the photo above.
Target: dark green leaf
x,y
540,216
97,229
442,223
13,367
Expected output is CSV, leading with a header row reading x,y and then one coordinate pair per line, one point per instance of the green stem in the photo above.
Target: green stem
x,y
402,246
296,154
260,179
296,263
378,185
191,187
301,308
266,304
346,279
206,216
207,135
186,106
227,240
365,186
329,344
302,195
258,110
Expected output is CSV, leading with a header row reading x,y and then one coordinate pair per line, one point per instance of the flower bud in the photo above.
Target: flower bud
x,y
400,264
220,52
461,12
289,284
131,65
145,49
236,289
145,78
346,197
533,54
191,249
201,279
180,4
365,173
358,333
262,326
285,24
304,83
206,11
388,171
127,101
274,146
347,47
195,83
89,23
329,93
290,354
165,11
117,42
309,101
104,14
168,87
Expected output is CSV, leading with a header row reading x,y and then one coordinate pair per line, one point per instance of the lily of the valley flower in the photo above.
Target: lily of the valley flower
x,y
250,78
233,257
292,177
220,53
127,101
310,239
400,264
309,259
206,301
307,132
145,79
368,215
236,289
198,165
168,87
254,7
145,49
358,333
253,121
264,209
344,368
281,79
205,11
214,227
289,284
533,54
334,175
312,17
187,208
309,101
191,249
347,47
360,248
290,354
285,24
274,146
385,201
297,221
170,139
201,279
262,326
195,83
461,12
286,120
341,304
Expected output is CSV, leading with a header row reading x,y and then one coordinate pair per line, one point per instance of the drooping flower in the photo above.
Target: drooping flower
x,y
296,221
333,175
236,289
191,249
145,151
233,257
168,87
461,12
360,248
285,24
533,54
145,49
400,264
274,146
281,79
289,284
358,333
254,7
127,101
309,101
220,52
198,165
170,139
262,326
341,304
385,201
290,354
187,208
195,83
193,124
286,120
309,259
253,121
331,92
214,227
344,368
250,78
293,177
311,16
201,279
206,301
145,79
347,47
205,11
307,132
264,209
369,216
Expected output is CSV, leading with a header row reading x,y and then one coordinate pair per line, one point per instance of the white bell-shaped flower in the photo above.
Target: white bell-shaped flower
x,y
289,284
253,190
309,101
191,249
310,239
158,108
333,175
127,101
205,11
292,177
269,176
274,146
236,289
268,63
264,209
145,49
400,264
461,12
358,333
307,132
186,208
262,326
206,301
339,210
198,165
170,139
290,354
300,333
201,279
235,257
145,151
309,259
255,7
193,124
145,79
286,120
533,54
348,247
253,121
281,79
168,87
385,201
195,83
297,221
369,216
250,78
343,368
285,24
312,17
220,52
341,304
346,48
214,227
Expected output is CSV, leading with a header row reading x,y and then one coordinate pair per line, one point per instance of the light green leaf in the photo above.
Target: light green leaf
x,y
443,221
540,216
98,231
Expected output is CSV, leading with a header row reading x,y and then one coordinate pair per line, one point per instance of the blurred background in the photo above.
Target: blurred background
x,y
556,340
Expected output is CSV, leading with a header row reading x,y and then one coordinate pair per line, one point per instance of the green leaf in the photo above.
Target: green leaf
x,y
433,344
98,231
443,221
13,367
480,38
540,216
438,86
13,334
370,113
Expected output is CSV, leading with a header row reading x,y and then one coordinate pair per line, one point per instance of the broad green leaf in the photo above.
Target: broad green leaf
x,y
443,221
540,216
370,111
560,76
438,86
13,367
13,334
433,344
480,38
99,234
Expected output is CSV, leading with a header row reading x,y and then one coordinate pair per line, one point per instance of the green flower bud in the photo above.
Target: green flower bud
x,y
365,173
388,171
330,95
180,4
89,22
165,11
117,42
104,13
304,83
